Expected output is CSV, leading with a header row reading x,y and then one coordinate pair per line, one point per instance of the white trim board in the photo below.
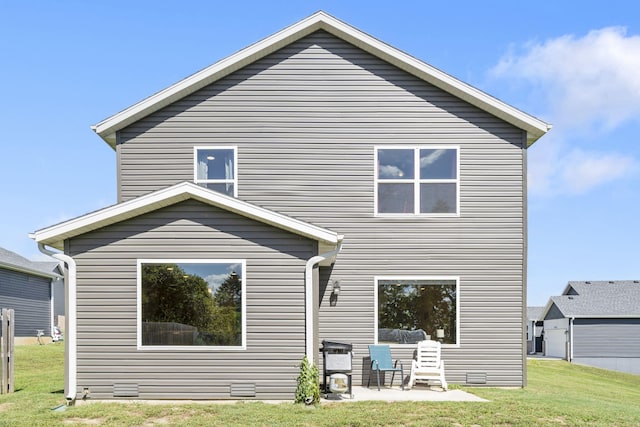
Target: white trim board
x,y
56,235
533,126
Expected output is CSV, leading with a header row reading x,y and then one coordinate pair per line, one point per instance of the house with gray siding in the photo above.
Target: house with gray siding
x,y
34,290
316,185
595,323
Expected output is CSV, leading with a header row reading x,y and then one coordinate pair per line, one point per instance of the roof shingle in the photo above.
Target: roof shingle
x,y
14,261
614,298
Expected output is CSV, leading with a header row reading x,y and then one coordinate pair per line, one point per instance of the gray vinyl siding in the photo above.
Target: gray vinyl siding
x,y
306,121
30,298
108,358
606,338
607,343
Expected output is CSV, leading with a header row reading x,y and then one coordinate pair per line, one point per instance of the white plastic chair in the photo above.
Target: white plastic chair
x,y
428,365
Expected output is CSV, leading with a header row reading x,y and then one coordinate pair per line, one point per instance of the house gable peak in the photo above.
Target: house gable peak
x,y
56,235
107,128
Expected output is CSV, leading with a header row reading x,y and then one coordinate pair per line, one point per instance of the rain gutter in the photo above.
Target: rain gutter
x,y
70,330
308,296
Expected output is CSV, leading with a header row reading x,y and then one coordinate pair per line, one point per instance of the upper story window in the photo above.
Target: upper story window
x,y
215,168
417,180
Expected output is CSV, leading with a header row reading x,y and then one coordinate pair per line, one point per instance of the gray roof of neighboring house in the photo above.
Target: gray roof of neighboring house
x,y
599,299
13,261
534,313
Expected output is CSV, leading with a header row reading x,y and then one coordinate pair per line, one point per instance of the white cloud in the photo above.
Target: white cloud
x,y
432,157
584,170
388,171
215,280
553,171
591,85
591,80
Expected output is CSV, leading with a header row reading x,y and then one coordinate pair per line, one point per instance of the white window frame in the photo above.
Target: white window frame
x,y
243,304
416,179
234,181
377,279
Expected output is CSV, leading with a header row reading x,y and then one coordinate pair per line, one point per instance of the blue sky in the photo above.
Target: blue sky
x,y
68,65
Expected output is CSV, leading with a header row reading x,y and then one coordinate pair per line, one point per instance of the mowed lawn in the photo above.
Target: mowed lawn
x,y
559,394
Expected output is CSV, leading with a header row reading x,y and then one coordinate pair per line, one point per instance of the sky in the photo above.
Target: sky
x,y
66,65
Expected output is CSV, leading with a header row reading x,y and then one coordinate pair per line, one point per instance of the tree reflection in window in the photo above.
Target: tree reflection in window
x,y
411,310
191,304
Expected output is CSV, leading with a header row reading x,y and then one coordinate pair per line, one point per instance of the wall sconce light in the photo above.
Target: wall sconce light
x,y
335,288
440,333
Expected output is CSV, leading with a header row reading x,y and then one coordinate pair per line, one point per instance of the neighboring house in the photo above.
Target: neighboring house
x,y
317,185
534,330
596,323
35,291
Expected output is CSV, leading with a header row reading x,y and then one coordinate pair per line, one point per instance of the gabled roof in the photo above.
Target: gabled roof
x,y
534,127
55,235
12,261
534,313
599,299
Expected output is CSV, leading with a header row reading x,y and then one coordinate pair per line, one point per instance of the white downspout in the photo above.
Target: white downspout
x,y
308,298
571,338
70,332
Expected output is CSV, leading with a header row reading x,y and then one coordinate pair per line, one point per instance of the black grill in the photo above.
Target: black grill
x,y
336,359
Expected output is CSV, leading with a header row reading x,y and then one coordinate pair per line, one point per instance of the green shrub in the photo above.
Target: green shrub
x,y
308,390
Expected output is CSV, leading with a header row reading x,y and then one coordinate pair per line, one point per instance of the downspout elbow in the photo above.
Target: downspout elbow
x,y
308,294
70,339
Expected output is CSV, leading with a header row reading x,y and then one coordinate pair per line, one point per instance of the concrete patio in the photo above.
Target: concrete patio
x,y
395,394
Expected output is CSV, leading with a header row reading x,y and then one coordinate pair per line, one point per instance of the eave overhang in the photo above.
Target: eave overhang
x,y
533,126
55,235
572,315
30,271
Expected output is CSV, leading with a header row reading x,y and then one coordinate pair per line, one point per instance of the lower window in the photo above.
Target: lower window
x,y
186,303
415,309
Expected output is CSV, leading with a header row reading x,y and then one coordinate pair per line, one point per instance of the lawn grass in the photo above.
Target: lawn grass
x,y
559,394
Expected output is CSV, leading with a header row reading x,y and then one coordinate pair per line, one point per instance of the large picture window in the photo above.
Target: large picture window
x,y
417,180
415,309
191,303
215,169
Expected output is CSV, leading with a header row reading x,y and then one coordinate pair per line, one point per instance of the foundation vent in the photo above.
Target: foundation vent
x,y
243,390
476,377
125,390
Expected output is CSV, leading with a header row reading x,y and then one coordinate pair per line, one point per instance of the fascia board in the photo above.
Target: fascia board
x,y
534,127
268,217
610,316
546,308
107,128
55,235
29,271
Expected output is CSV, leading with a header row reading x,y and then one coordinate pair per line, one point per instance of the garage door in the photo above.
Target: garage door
x,y
555,343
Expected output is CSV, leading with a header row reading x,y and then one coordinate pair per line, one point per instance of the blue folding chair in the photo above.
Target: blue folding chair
x,y
381,362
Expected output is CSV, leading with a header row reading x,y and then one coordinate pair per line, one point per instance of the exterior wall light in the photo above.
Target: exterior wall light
x,y
335,289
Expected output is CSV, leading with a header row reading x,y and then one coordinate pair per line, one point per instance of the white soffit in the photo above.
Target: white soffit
x,y
54,236
534,127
